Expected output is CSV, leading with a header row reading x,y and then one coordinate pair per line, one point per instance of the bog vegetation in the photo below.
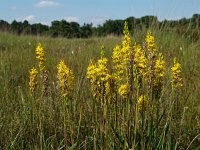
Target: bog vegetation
x,y
100,93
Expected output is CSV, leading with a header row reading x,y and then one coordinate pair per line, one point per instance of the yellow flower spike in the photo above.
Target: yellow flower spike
x,y
126,43
140,59
123,90
40,56
121,55
117,58
160,70
151,44
32,79
177,80
126,31
97,73
101,69
65,79
91,71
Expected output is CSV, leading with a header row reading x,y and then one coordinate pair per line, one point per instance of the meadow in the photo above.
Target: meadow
x,y
86,120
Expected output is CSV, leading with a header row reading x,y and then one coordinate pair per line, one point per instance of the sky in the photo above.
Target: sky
x,y
94,11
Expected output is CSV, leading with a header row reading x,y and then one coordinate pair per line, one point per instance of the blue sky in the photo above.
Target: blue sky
x,y
94,11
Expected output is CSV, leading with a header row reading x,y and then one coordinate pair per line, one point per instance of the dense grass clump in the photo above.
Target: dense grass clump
x,y
131,96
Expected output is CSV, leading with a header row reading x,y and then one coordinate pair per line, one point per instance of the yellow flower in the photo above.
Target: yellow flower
x,y
151,44
176,75
126,43
98,75
91,71
140,59
98,71
32,79
40,56
160,70
123,90
101,70
142,102
121,55
118,66
65,79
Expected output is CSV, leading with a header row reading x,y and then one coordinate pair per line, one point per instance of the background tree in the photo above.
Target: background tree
x,y
188,27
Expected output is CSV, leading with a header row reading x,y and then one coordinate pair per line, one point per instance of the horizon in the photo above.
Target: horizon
x,y
46,11
98,24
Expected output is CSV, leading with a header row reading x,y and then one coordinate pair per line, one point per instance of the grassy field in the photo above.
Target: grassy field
x,y
21,113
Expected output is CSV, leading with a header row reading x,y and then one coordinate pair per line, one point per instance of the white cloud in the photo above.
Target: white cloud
x,y
47,3
29,18
72,19
44,23
174,18
98,20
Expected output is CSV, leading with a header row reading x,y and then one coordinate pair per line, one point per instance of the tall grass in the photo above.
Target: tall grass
x,y
88,126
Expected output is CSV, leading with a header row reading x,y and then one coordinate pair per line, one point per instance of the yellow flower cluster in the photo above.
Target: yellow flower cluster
x,y
140,59
121,55
101,69
123,90
100,78
118,59
32,79
160,70
176,75
134,68
91,71
97,73
126,43
151,45
121,60
40,56
65,79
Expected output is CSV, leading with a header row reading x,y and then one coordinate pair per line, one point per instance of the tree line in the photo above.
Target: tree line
x,y
185,26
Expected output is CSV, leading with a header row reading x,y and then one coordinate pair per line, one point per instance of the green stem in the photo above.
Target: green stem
x,y
64,123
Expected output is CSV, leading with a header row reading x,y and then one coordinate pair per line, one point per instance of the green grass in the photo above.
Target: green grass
x,y
19,110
